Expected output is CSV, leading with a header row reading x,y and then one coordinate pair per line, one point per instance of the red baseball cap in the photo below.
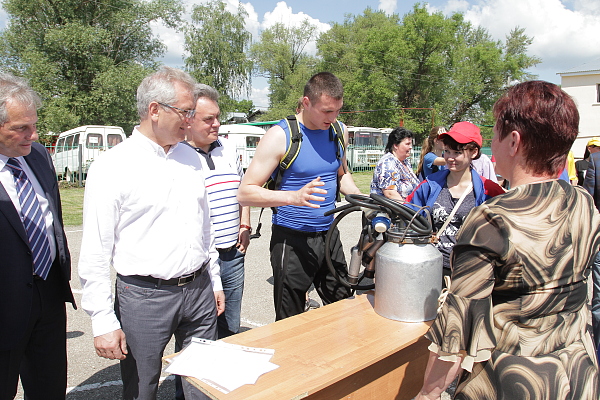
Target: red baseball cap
x,y
464,132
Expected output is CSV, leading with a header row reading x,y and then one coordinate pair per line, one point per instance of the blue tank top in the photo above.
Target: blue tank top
x,y
317,157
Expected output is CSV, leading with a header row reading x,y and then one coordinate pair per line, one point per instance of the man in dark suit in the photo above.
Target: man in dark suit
x,y
591,183
35,264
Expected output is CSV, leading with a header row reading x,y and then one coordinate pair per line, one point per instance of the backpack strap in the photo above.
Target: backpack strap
x,y
295,142
292,151
336,128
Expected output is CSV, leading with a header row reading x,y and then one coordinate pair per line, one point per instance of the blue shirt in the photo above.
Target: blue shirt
x,y
317,157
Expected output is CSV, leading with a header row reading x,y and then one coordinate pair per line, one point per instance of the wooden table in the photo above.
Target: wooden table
x,y
341,351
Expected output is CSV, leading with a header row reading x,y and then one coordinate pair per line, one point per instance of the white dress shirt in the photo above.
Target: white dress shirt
x,y
145,212
8,181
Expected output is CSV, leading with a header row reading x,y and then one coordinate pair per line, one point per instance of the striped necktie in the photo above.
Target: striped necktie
x,y
33,221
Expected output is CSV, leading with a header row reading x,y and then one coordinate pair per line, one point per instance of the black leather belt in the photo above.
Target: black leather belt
x,y
227,250
180,281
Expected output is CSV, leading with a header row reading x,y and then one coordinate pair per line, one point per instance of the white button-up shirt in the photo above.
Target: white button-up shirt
x,y
145,212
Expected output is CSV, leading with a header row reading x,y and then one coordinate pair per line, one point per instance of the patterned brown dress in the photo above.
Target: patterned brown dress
x,y
516,309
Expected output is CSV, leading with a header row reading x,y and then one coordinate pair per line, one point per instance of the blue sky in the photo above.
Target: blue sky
x,y
566,33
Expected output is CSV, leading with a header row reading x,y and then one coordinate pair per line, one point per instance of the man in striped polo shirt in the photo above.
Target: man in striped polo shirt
x,y
231,222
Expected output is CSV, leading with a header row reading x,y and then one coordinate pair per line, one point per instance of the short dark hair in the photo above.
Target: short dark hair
x,y
396,137
546,118
454,145
323,83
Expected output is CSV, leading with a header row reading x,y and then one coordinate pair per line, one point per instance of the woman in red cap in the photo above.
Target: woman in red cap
x,y
451,193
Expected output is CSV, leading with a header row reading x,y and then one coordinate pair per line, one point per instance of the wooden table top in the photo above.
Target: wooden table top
x,y
320,347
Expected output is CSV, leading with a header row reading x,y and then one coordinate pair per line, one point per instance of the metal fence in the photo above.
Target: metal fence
x,y
72,162
365,158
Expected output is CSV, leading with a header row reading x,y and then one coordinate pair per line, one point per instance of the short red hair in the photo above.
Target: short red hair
x,y
546,118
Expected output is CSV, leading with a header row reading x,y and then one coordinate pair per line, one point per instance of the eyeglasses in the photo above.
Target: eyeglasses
x,y
186,113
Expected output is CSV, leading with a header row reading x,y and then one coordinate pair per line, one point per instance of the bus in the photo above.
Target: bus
x,y
245,137
365,147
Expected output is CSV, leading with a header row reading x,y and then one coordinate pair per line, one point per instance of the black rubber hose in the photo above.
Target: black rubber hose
x,y
337,219
420,224
339,209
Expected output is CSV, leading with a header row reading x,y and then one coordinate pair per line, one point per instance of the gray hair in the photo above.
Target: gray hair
x,y
160,87
205,91
16,89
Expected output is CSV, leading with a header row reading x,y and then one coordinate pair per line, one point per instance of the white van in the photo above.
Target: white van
x,y
91,139
245,138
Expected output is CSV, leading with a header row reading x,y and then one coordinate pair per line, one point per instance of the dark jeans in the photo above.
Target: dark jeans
x,y
232,277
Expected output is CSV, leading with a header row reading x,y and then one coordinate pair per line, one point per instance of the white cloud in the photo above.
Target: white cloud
x,y
562,37
260,96
388,6
283,14
175,41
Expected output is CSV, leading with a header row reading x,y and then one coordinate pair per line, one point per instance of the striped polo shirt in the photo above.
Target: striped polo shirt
x,y
223,173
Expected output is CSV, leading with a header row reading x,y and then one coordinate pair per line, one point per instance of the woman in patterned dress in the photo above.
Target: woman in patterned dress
x,y
515,317
393,176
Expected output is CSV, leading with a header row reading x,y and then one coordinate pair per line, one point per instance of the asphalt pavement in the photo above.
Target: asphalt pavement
x,y
93,378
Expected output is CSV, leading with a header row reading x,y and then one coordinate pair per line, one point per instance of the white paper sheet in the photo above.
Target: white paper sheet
x,y
224,366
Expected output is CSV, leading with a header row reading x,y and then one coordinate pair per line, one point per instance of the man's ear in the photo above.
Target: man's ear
x,y
305,102
153,110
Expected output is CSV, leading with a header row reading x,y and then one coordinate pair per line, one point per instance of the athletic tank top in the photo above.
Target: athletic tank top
x,y
317,157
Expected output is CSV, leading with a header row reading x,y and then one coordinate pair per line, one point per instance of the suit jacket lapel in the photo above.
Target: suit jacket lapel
x,y
10,212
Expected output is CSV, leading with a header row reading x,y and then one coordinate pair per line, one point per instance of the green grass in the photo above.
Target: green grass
x,y
363,181
72,204
72,197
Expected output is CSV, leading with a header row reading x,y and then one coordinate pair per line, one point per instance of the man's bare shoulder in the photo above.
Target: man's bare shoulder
x,y
274,141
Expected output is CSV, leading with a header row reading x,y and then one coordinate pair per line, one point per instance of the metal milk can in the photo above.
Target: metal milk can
x,y
408,278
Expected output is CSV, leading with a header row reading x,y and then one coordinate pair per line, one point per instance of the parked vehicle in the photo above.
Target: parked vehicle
x,y
82,145
365,147
245,138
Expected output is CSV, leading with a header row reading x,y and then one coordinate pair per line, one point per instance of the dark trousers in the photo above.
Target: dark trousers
x,y
298,260
40,358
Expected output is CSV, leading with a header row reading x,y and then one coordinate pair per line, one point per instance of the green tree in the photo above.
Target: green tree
x,y
85,58
217,41
361,51
280,56
421,61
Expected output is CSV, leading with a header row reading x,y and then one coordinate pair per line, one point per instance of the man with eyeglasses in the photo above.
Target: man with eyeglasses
x,y
142,215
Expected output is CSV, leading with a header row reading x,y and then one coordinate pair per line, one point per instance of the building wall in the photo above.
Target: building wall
x,y
583,87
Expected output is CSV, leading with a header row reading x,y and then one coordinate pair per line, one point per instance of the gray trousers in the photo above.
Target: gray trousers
x,y
150,315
